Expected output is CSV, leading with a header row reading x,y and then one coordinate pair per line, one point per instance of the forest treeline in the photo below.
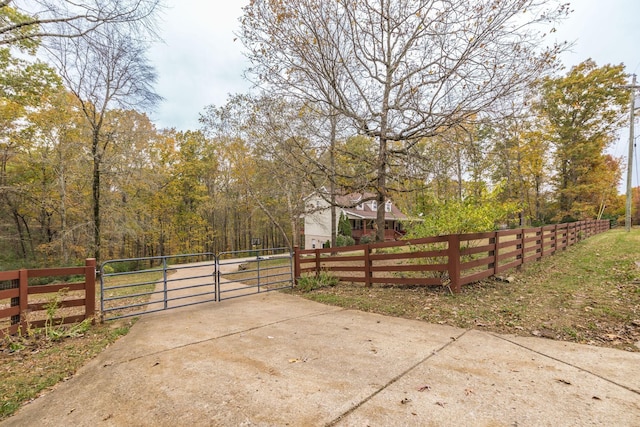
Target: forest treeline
x,y
84,172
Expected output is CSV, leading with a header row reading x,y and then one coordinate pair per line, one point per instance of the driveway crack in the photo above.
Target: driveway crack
x,y
394,379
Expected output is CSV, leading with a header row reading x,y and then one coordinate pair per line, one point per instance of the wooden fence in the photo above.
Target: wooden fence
x,y
453,260
23,305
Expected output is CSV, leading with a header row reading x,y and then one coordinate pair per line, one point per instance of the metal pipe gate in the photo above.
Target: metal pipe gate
x,y
135,286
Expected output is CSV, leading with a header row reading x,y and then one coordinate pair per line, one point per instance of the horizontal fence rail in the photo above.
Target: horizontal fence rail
x,y
452,260
54,296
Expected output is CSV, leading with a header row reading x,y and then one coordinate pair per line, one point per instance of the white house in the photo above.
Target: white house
x,y
362,216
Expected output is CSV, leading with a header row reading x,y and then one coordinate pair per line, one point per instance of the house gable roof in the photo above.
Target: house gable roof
x,y
366,212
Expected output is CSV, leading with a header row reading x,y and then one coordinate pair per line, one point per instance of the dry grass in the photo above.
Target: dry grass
x,y
32,364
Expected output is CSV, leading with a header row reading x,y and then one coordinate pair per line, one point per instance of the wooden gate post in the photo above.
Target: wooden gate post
x,y
296,264
90,288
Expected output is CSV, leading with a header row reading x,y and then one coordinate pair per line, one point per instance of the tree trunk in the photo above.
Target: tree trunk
x,y
381,189
63,213
97,156
332,188
21,237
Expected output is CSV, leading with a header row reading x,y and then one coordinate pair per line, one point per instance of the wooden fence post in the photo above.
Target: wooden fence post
x,y
522,249
367,266
296,265
496,241
23,301
453,255
317,253
90,288
15,301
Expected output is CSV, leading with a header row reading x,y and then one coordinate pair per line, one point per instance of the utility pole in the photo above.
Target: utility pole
x,y
627,218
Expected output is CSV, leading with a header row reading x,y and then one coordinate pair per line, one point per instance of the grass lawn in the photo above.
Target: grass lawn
x,y
589,293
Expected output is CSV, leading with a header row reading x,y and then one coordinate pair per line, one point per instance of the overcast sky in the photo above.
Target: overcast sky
x,y
200,64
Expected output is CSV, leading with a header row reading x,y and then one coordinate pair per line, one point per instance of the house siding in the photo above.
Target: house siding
x,y
317,222
317,225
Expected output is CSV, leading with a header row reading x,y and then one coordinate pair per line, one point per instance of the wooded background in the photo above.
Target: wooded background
x,y
515,141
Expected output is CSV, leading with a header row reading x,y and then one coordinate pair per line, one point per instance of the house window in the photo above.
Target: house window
x,y
360,207
317,203
387,206
374,205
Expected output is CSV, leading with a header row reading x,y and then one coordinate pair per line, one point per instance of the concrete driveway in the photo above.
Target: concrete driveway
x,y
277,360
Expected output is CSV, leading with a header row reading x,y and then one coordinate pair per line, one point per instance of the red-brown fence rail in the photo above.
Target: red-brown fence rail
x,y
453,260
23,305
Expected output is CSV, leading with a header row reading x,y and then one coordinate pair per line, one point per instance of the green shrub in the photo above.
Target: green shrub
x,y
344,226
108,269
344,240
474,214
365,240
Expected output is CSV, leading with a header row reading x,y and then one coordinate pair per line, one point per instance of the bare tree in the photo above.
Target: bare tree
x,y
105,72
30,20
399,70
